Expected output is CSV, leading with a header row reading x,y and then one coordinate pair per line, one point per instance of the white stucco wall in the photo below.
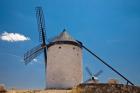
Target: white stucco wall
x,y
64,66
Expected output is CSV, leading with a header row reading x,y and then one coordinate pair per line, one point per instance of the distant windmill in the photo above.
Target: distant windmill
x,y
33,53
93,77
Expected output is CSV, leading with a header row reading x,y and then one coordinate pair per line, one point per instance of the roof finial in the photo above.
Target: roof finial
x,y
64,30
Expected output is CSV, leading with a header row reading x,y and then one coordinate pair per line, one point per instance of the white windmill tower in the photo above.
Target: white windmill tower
x,y
64,62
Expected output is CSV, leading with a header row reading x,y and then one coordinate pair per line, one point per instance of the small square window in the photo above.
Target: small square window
x,y
59,47
77,54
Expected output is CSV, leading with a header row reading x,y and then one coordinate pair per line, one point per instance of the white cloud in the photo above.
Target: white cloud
x,y
13,37
35,60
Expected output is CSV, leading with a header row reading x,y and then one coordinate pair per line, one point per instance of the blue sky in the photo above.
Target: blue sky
x,y
110,28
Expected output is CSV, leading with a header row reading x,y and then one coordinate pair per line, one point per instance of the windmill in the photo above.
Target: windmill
x,y
93,77
33,53
59,42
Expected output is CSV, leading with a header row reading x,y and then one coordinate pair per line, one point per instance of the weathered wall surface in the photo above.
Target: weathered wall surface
x,y
64,66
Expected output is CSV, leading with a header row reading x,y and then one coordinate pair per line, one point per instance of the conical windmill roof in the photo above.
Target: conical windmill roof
x,y
64,36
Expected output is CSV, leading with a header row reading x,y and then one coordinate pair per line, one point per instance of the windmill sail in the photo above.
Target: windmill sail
x,y
98,73
33,53
41,23
89,72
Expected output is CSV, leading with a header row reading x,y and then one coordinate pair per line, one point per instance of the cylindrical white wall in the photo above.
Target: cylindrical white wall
x,y
64,66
